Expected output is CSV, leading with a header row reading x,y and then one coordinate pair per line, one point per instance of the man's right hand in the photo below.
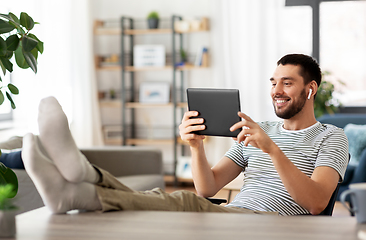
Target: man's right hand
x,y
190,125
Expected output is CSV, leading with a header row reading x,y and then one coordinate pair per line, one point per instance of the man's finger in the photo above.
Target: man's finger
x,y
241,124
189,114
244,116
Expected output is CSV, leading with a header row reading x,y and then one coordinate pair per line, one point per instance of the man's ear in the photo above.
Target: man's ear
x,y
313,88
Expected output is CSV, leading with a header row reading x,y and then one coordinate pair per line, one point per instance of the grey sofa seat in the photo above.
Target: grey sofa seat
x,y
137,167
27,197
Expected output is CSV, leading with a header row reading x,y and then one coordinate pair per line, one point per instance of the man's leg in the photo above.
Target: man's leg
x,y
60,196
71,165
115,196
57,193
12,160
58,142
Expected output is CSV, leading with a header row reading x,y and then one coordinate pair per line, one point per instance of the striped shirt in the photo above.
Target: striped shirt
x,y
263,190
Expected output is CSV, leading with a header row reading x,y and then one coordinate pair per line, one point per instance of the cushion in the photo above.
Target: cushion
x,y
356,135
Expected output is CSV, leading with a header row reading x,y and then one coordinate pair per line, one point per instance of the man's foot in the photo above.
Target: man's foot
x,y
12,143
57,193
56,138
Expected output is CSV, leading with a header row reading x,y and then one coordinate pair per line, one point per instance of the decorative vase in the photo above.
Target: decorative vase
x,y
7,223
153,23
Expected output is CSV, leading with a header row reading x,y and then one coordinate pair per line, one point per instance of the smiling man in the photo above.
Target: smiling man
x,y
291,166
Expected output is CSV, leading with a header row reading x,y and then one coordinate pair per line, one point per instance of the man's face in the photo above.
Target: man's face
x,y
288,91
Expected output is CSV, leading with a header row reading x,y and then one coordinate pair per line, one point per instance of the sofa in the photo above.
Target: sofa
x,y
139,168
354,125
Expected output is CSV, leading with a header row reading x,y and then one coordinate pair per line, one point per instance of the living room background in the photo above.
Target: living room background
x,y
246,39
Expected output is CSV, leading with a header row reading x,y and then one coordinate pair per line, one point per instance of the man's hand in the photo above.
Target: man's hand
x,y
253,134
190,125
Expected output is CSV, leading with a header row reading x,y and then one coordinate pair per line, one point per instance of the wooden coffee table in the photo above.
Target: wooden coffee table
x,y
41,224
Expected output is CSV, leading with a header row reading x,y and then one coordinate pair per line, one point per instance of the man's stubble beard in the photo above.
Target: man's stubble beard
x,y
294,109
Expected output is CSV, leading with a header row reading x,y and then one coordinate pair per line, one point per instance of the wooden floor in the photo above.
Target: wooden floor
x,y
339,209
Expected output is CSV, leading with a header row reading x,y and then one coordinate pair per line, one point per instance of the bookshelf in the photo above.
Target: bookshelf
x,y
127,132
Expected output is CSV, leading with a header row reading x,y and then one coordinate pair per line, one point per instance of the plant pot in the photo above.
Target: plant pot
x,y
153,23
7,223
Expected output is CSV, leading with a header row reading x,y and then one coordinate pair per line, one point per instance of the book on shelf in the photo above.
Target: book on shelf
x,y
202,57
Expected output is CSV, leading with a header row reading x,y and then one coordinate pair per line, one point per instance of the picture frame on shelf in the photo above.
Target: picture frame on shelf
x,y
154,92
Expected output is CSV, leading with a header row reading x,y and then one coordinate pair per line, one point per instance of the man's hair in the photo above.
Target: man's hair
x,y
310,69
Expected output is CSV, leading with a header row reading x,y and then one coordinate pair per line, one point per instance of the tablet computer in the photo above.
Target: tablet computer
x,y
218,107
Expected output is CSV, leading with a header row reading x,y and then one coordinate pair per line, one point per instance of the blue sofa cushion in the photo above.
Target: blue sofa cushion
x,y
356,135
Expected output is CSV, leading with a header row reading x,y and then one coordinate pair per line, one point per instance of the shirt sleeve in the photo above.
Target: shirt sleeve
x,y
334,152
236,154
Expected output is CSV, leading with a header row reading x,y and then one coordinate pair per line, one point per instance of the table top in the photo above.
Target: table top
x,y
41,224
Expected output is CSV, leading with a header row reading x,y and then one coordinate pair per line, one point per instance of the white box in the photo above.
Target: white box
x,y
149,56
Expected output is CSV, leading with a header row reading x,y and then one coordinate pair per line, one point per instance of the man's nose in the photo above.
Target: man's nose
x,y
277,90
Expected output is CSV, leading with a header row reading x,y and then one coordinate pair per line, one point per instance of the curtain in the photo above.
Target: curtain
x,y
248,38
65,69
86,125
245,39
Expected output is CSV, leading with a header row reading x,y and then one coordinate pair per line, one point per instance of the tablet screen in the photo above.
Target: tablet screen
x,y
218,107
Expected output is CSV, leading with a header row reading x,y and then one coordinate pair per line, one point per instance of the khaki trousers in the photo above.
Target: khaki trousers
x,y
113,195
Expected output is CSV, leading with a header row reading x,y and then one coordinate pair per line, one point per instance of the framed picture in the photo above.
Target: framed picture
x,y
154,92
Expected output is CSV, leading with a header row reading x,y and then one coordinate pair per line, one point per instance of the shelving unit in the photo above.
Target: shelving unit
x,y
127,102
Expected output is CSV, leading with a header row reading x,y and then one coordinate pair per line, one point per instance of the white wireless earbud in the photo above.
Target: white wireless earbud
x,y
310,92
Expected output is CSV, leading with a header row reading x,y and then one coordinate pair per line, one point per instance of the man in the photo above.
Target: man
x,y
291,167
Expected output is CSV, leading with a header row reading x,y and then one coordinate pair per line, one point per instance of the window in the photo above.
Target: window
x,y
343,48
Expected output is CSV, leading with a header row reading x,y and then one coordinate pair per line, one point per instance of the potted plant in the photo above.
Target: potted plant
x,y
153,20
8,190
15,40
324,102
112,93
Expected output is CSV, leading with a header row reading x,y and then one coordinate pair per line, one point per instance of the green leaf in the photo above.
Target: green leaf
x,y
5,16
7,64
11,100
40,47
1,97
15,18
7,176
40,43
2,47
35,53
13,89
26,21
5,27
19,58
28,43
20,31
12,42
31,60
8,54
3,68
